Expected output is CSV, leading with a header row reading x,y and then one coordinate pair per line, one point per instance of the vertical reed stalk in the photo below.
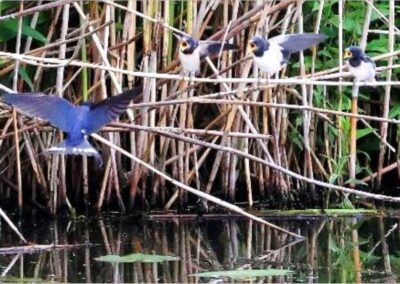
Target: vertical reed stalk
x,y
84,82
18,161
308,167
84,72
313,119
60,87
15,86
153,84
143,137
367,20
386,99
131,62
165,60
339,147
353,134
183,114
37,78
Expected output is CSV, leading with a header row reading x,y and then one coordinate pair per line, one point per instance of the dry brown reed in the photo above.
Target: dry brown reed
x,y
213,132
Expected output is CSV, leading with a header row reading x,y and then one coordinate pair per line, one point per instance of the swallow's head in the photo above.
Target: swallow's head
x,y
257,45
187,44
353,52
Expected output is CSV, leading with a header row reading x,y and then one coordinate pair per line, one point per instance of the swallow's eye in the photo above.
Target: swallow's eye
x,y
184,44
252,45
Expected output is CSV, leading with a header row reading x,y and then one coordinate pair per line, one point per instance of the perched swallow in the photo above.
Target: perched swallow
x,y
192,51
273,54
360,65
77,121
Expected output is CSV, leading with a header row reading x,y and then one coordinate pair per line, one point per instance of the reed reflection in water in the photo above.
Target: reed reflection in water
x,y
335,250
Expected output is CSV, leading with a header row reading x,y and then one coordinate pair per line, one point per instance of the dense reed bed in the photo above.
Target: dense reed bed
x,y
228,132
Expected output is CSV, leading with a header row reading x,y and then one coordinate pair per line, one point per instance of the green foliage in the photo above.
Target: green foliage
x,y
364,132
394,111
5,5
9,30
24,75
295,137
346,204
342,253
339,170
395,261
368,258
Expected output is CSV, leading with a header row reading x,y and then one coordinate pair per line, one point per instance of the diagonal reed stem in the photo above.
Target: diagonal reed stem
x,y
192,190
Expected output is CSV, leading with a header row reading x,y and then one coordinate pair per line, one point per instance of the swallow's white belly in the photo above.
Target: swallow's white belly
x,y
190,62
363,73
270,61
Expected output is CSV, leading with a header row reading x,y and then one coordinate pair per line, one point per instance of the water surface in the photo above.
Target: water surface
x,y
347,249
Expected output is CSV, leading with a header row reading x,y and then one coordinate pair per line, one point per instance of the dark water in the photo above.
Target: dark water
x,y
351,249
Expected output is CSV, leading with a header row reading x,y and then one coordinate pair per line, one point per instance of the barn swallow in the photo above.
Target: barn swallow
x,y
192,51
360,65
271,55
78,122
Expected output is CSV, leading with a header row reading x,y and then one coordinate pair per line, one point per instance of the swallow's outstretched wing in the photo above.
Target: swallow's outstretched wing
x,y
58,111
214,47
297,42
109,109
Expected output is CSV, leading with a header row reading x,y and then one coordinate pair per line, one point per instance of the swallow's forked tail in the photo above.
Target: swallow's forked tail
x,y
83,149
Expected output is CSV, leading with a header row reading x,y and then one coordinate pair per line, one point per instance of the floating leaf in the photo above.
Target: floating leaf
x,y
241,274
136,257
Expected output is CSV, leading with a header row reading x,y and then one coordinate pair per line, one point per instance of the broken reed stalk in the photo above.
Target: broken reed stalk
x,y
192,190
